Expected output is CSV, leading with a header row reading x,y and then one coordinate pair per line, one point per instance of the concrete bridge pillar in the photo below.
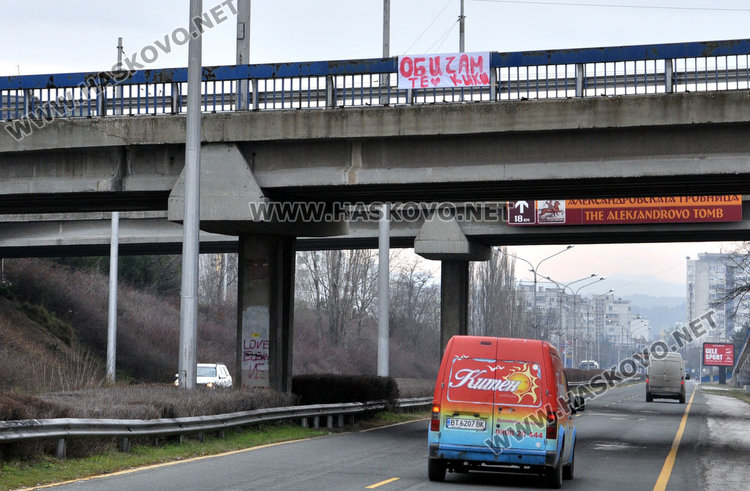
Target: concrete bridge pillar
x,y
442,238
454,300
265,307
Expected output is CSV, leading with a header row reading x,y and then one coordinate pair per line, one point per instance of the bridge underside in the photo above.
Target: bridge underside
x,y
667,145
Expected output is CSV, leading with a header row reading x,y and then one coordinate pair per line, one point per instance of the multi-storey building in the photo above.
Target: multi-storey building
x,y
709,278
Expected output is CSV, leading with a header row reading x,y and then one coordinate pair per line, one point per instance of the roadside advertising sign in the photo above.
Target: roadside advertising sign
x,y
718,354
444,70
622,211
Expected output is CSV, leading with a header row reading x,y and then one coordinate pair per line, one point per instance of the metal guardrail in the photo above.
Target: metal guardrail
x,y
590,72
62,428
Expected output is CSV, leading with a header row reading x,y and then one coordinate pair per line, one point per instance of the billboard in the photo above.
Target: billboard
x,y
718,354
624,211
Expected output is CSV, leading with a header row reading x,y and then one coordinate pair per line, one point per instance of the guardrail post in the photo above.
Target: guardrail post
x,y
409,96
493,84
254,95
125,445
580,79
201,436
329,421
668,76
340,422
61,448
316,422
176,98
304,423
330,91
101,100
28,102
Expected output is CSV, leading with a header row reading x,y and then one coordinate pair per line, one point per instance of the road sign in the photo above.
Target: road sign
x,y
522,212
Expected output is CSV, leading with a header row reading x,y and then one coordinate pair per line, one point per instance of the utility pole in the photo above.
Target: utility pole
x,y
461,29
384,241
191,225
243,51
113,260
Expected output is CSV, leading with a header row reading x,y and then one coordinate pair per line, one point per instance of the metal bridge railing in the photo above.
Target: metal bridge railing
x,y
591,72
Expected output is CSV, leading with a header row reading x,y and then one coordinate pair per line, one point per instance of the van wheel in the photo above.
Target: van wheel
x,y
570,467
682,398
554,475
649,397
435,470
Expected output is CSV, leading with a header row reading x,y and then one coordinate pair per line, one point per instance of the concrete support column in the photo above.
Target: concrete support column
x,y
454,300
265,311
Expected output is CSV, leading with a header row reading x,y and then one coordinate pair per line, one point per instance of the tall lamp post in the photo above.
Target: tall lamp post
x,y
575,298
563,287
535,270
588,325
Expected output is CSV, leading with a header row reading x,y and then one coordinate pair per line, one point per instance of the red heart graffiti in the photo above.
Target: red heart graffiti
x,y
435,81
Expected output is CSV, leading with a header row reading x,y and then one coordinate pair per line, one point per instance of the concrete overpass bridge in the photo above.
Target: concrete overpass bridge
x,y
666,120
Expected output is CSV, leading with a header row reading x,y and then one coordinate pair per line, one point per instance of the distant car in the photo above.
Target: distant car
x,y
588,365
212,375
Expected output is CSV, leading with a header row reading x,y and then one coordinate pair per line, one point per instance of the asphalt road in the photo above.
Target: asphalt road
x,y
623,444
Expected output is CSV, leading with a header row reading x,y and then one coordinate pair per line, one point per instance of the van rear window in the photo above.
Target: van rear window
x,y
483,381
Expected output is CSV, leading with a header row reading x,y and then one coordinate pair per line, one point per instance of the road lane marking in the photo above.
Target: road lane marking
x,y
381,483
666,471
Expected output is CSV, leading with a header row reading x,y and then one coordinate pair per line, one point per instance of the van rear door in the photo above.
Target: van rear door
x,y
519,421
469,392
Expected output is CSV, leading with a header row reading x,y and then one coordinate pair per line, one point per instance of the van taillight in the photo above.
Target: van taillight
x,y
435,419
551,425
646,380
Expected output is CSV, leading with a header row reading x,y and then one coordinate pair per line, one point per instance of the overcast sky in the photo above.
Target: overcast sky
x,y
53,36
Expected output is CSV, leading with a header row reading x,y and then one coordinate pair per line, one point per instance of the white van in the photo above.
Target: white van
x,y
666,378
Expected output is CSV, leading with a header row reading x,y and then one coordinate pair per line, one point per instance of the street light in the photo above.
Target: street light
x,y
563,287
575,298
535,269
588,325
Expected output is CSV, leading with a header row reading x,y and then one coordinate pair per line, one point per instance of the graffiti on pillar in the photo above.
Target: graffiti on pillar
x,y
255,347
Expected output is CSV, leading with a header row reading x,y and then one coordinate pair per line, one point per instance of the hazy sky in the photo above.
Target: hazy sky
x,y
52,36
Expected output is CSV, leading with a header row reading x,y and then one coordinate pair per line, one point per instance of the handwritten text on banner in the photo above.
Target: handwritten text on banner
x,y
446,70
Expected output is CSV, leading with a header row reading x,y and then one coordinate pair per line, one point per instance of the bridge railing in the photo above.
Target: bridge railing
x,y
589,72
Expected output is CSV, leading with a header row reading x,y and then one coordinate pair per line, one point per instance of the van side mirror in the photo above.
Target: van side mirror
x,y
687,376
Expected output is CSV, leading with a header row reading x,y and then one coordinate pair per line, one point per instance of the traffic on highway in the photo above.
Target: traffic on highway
x,y
623,443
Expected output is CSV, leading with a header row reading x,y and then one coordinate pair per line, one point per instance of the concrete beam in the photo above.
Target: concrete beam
x,y
232,202
443,239
394,121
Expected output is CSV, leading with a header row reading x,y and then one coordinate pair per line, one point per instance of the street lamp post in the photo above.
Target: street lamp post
x,y
562,288
598,331
575,298
535,270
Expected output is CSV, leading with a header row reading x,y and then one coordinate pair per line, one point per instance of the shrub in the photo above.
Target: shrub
x,y
330,388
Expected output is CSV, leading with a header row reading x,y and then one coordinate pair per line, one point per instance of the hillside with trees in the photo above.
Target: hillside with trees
x,y
54,316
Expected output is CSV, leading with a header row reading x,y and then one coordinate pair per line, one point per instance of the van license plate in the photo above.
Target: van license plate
x,y
466,424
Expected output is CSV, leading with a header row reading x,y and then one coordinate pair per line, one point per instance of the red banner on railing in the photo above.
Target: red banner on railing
x,y
446,70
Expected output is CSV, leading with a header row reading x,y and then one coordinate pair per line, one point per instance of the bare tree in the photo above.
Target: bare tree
x,y
339,287
414,304
218,272
496,303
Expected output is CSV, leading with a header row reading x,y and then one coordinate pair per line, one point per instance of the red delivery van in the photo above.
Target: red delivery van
x,y
502,404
